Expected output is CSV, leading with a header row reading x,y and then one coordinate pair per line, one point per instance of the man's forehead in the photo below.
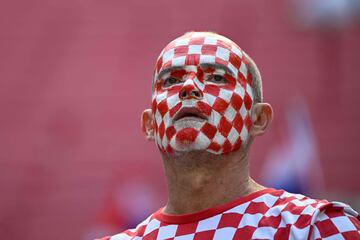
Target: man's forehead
x,y
200,38
201,48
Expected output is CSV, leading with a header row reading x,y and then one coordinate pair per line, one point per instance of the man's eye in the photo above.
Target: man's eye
x,y
170,81
217,79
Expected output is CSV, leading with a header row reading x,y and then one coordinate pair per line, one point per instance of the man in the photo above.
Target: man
x,y
207,108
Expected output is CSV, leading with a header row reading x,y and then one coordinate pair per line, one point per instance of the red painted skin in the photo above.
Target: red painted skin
x,y
199,76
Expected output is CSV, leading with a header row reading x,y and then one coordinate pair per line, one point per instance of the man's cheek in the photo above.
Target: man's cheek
x,y
231,82
153,106
212,89
204,108
158,87
174,90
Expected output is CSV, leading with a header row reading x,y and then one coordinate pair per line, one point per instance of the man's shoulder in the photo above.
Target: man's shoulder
x,y
292,206
291,203
336,220
272,202
302,215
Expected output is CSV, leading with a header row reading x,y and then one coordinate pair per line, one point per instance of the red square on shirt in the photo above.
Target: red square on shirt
x,y
326,228
230,220
244,233
184,229
204,235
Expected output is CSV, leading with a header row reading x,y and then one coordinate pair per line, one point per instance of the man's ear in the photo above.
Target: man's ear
x,y
147,125
261,116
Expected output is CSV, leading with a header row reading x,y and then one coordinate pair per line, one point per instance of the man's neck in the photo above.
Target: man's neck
x,y
201,180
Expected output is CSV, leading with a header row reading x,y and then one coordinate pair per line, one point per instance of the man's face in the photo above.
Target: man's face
x,y
202,95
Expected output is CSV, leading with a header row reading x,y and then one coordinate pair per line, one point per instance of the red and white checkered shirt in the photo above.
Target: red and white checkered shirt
x,y
266,214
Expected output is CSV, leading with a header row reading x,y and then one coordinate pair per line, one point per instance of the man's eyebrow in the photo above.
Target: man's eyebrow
x,y
219,66
168,69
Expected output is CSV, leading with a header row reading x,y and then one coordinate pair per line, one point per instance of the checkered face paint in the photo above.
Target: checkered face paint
x,y
202,95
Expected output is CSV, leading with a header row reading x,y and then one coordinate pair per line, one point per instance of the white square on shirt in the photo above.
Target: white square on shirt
x,y
334,237
264,233
275,211
239,209
167,232
322,217
300,233
119,236
343,223
224,233
315,234
308,210
209,223
250,220
153,224
268,199
185,237
289,217
135,238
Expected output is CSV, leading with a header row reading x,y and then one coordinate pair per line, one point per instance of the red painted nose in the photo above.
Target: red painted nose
x,y
189,91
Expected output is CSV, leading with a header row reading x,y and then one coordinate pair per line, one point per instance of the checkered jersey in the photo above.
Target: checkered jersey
x,y
266,214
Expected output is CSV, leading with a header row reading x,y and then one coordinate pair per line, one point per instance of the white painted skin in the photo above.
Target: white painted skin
x,y
201,142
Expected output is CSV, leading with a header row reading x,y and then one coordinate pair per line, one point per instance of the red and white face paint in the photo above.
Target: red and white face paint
x,y
202,95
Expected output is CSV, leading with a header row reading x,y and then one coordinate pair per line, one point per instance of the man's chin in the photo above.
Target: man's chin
x,y
191,147
187,122
189,139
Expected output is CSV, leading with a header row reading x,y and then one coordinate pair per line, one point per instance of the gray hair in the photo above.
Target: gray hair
x,y
256,79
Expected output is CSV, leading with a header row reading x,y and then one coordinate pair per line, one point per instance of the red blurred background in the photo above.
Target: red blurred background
x,y
76,75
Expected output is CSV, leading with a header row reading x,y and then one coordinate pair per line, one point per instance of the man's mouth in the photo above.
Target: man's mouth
x,y
189,113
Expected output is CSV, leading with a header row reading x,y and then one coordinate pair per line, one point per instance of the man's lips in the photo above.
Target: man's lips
x,y
189,112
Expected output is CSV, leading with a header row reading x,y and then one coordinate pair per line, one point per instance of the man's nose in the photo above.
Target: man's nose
x,y
190,90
